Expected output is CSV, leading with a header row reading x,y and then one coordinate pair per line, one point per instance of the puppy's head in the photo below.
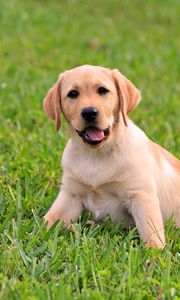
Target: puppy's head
x,y
91,99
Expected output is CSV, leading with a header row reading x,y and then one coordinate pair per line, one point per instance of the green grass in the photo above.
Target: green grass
x,y
38,40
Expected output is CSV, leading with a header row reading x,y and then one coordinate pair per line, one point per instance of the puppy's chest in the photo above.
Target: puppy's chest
x,y
101,184
93,172
107,199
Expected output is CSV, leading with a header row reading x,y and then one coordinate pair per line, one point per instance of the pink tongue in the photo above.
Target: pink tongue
x,y
95,134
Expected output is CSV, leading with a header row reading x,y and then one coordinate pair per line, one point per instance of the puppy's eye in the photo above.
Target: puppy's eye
x,y
102,91
73,94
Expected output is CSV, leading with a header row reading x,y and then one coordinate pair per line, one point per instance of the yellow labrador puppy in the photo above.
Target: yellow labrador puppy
x,y
110,166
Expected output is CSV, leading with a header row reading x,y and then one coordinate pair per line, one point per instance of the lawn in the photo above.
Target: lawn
x,y
38,40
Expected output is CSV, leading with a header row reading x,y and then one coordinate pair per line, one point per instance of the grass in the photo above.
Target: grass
x,y
38,40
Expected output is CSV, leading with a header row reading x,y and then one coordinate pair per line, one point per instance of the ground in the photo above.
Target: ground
x,y
38,40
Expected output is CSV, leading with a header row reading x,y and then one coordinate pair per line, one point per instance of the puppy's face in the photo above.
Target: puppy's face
x,y
91,99
89,103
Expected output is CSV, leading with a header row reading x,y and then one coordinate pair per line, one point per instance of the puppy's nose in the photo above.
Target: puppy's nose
x,y
89,114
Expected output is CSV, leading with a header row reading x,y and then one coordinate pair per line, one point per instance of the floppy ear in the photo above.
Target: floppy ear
x,y
52,103
129,95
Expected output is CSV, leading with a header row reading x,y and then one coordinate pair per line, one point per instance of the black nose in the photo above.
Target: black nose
x,y
89,114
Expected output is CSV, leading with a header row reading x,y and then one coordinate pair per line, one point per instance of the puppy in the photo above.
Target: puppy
x,y
110,166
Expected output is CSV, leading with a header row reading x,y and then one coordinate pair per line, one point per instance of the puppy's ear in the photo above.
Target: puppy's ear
x,y
52,103
129,95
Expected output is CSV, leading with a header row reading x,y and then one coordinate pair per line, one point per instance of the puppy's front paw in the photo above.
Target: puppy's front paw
x,y
157,243
50,220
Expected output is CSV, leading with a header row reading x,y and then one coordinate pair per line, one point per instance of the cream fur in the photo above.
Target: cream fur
x,y
129,178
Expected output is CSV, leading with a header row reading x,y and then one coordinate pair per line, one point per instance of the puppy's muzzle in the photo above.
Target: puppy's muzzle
x,y
92,134
89,114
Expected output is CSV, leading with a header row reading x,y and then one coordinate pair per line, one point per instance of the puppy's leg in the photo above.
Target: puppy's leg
x,y
67,207
147,215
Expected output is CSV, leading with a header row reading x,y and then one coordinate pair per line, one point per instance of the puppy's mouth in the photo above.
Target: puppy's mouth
x,y
93,135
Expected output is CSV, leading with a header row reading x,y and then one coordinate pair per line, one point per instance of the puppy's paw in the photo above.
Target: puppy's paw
x,y
156,243
50,220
